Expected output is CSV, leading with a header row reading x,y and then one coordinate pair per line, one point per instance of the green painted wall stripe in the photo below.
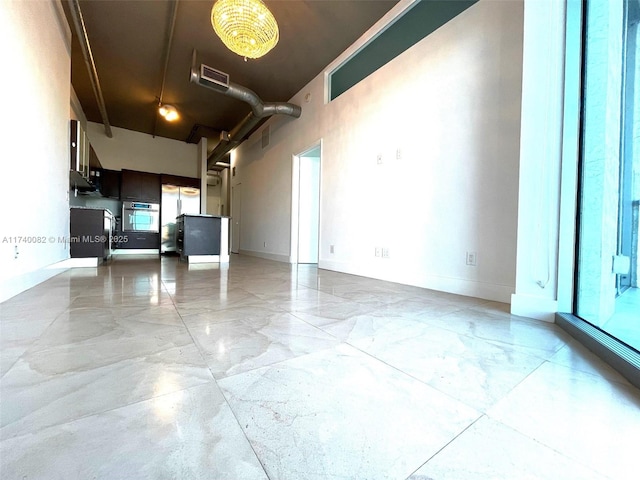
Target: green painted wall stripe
x,y
425,17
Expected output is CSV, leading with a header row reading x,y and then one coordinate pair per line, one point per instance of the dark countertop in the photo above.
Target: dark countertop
x,y
93,208
202,215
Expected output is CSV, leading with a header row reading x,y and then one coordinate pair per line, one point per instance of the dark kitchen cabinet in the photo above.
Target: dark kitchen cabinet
x,y
140,186
142,240
197,235
91,232
178,181
109,183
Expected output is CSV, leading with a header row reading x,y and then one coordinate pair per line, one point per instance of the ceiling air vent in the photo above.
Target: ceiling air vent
x,y
213,76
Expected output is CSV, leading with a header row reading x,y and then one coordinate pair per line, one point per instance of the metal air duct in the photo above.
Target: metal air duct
x,y
218,82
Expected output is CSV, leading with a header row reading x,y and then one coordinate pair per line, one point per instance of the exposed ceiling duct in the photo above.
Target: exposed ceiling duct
x,y
219,82
83,39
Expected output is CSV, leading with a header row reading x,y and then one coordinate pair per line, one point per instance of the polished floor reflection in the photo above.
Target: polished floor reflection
x,y
150,369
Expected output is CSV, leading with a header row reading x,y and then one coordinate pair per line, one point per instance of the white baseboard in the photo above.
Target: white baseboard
x,y
13,286
458,286
208,259
534,307
81,262
269,256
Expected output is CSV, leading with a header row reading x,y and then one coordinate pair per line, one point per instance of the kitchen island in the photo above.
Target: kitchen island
x,y
202,238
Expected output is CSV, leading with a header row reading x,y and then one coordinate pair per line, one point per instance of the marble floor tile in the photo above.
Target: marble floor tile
x,y
55,386
109,299
255,310
535,337
366,295
164,314
270,286
112,333
489,450
233,347
297,299
578,357
9,355
422,308
329,312
23,320
17,335
221,301
187,434
24,307
341,414
113,372
368,325
590,419
469,369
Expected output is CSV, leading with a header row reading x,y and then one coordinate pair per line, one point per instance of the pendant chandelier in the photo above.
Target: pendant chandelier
x,y
246,27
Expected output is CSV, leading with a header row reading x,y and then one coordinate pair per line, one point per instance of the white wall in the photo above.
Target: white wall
x,y
35,45
213,198
540,161
138,151
451,106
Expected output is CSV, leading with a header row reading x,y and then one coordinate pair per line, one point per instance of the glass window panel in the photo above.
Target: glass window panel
x,y
607,277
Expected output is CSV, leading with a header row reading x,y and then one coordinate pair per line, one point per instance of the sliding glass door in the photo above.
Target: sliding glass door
x,y
607,292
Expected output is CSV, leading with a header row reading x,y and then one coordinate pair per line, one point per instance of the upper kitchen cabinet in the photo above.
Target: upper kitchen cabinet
x,y
179,181
109,184
140,186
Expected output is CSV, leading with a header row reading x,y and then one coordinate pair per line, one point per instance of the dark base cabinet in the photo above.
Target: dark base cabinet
x,y
198,235
91,232
143,240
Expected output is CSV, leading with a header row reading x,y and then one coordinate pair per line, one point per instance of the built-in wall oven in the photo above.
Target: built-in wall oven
x,y
140,217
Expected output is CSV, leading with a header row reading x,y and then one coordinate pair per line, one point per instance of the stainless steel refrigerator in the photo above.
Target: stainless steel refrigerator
x,y
176,201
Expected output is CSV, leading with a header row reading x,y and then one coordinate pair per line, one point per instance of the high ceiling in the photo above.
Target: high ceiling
x,y
129,38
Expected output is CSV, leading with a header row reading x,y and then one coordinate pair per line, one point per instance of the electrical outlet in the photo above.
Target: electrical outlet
x,y
385,252
472,258
398,154
379,159
378,252
332,249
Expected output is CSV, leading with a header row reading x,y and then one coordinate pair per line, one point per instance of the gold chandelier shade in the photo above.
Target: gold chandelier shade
x,y
246,27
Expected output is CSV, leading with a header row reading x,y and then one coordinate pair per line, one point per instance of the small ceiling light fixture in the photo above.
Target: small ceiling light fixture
x,y
169,112
246,27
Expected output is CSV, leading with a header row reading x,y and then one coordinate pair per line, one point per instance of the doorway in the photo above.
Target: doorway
x,y
305,212
236,208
